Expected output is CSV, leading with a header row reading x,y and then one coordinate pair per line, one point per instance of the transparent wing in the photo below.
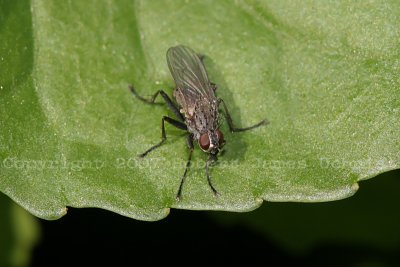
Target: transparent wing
x,y
189,72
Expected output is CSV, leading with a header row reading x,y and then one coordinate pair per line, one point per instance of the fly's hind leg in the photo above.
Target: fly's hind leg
x,y
152,99
178,124
232,128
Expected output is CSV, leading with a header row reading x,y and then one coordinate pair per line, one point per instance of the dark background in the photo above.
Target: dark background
x,y
359,231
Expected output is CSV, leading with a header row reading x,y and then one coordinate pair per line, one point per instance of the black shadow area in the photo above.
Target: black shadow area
x,y
97,237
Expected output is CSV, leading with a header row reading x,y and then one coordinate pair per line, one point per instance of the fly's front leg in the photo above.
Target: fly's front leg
x,y
211,159
191,147
232,128
166,98
173,122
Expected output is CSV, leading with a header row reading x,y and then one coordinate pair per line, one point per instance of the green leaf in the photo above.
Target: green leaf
x,y
324,74
19,234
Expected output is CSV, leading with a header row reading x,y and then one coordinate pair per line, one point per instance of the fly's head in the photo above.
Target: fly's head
x,y
212,141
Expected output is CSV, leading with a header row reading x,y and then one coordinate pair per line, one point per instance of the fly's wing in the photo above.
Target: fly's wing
x,y
190,75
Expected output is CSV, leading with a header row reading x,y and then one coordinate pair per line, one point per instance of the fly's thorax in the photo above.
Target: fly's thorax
x,y
205,116
201,117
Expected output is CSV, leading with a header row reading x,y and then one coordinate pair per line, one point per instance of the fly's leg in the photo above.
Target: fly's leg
x,y
232,128
201,57
210,160
173,122
191,147
151,100
214,86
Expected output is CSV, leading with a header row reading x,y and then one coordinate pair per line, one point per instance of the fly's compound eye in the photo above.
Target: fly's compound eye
x,y
220,136
204,141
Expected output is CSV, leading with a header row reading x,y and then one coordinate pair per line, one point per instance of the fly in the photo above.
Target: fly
x,y
197,110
